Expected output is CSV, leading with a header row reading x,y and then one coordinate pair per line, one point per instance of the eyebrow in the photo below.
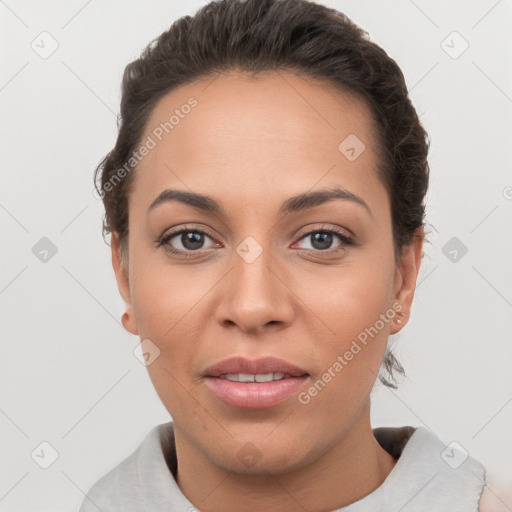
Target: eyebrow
x,y
291,205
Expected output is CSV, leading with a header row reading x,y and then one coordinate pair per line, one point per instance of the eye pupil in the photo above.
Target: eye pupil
x,y
323,239
192,240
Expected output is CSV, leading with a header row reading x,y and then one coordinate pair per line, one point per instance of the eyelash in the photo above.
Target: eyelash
x,y
345,239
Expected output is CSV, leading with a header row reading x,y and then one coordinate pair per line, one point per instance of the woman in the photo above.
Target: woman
x,y
265,200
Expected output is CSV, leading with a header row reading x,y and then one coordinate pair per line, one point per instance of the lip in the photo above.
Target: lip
x,y
254,366
254,395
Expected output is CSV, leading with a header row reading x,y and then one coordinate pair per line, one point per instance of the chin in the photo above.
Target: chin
x,y
263,455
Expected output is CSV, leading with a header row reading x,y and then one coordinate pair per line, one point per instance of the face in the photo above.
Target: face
x,y
250,282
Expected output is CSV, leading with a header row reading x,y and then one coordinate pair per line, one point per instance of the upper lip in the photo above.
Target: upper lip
x,y
254,366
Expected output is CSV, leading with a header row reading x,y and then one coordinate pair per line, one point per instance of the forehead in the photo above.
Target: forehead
x,y
259,134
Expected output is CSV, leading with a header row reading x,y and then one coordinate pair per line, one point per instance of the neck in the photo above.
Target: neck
x,y
350,470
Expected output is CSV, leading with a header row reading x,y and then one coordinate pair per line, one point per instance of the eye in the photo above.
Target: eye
x,y
186,241
191,241
323,239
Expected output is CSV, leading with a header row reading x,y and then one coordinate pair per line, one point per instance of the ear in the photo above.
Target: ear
x,y
123,284
405,280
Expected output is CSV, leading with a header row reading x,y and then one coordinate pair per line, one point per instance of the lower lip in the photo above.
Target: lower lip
x,y
254,395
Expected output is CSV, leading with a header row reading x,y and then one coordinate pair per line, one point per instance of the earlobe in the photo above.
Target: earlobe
x,y
400,318
128,320
407,274
123,284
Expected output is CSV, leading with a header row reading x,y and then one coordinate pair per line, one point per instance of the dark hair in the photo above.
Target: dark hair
x,y
264,35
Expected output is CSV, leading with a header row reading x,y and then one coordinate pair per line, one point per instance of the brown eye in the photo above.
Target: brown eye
x,y
323,240
186,241
191,240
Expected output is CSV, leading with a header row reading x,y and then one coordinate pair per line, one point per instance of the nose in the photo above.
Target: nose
x,y
255,298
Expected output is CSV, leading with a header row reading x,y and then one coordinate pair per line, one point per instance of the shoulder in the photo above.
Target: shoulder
x,y
429,475
132,484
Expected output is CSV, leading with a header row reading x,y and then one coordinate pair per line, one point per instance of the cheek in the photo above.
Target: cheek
x,y
352,298
351,353
355,304
167,305
165,299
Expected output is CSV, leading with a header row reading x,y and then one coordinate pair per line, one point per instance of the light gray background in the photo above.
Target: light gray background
x,y
68,375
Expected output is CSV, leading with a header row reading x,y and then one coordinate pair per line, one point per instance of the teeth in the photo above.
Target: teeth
x,y
264,377
231,376
249,377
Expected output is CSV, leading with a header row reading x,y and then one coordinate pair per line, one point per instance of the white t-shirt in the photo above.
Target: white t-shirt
x,y
428,476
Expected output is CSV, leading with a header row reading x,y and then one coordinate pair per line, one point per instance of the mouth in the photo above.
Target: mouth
x,y
251,377
254,384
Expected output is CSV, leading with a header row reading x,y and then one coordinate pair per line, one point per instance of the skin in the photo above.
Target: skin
x,y
251,144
